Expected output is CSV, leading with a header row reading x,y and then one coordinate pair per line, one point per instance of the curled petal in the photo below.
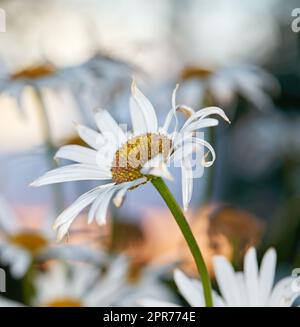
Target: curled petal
x,y
200,114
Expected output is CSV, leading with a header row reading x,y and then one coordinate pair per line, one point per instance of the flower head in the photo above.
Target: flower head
x,y
130,159
224,85
84,285
251,288
19,246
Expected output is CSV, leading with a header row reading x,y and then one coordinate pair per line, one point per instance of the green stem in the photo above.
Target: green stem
x,y
27,285
170,201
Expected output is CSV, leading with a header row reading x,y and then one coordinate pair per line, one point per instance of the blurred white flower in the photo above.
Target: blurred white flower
x,y
20,246
251,288
100,79
251,82
222,86
87,286
129,160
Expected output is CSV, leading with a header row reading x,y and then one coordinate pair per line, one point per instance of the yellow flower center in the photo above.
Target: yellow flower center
x,y
34,72
32,242
65,302
131,156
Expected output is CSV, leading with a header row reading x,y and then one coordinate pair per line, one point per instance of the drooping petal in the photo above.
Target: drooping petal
x,y
100,205
192,145
226,279
95,206
266,276
119,197
66,218
100,214
77,153
187,183
142,113
200,114
76,172
251,277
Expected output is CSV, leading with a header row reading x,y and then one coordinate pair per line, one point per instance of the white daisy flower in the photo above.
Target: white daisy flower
x,y
85,286
129,160
222,86
249,81
19,246
251,288
87,82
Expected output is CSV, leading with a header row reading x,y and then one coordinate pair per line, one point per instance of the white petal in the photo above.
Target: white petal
x,y
222,88
119,197
21,264
227,283
75,172
267,275
103,206
240,280
283,294
17,258
65,219
157,167
192,145
98,203
110,286
187,182
109,127
90,137
139,125
186,287
77,153
251,277
210,149
198,124
8,220
173,114
181,138
200,114
142,113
